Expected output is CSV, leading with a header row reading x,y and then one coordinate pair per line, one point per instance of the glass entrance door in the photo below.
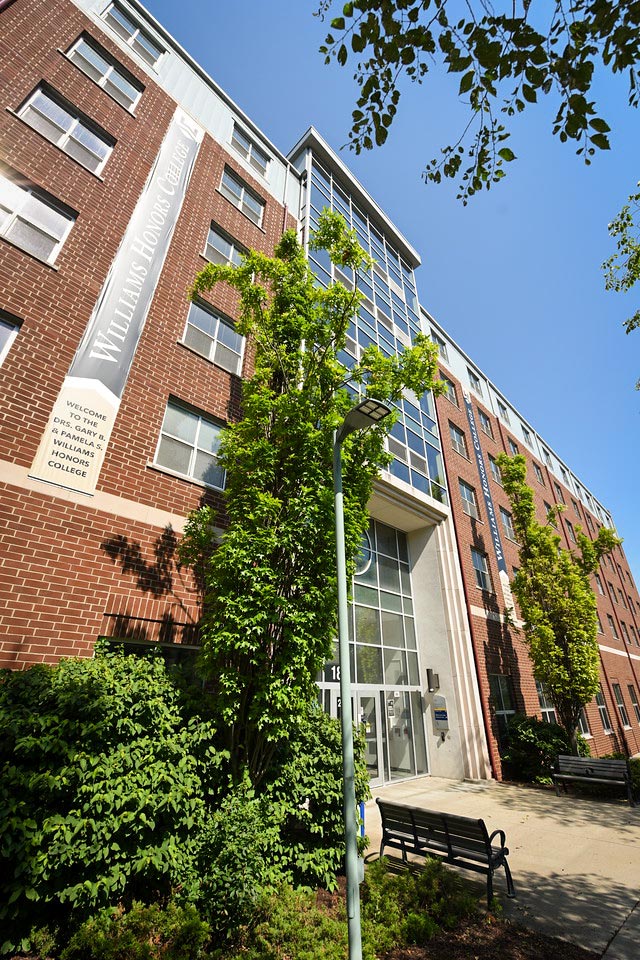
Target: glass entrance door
x,y
368,715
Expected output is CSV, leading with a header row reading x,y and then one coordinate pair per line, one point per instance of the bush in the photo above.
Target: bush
x,y
305,793
142,933
105,779
533,748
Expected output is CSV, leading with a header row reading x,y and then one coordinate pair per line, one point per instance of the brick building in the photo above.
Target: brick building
x,y
123,169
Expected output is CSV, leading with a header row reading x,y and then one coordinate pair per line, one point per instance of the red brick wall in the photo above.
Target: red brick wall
x,y
66,566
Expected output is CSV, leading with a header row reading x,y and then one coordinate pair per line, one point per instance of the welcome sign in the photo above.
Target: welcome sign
x,y
75,441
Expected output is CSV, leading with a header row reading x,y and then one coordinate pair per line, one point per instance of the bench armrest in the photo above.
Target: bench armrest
x,y
498,833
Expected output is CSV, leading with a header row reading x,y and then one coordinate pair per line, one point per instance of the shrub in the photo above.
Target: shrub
x,y
305,792
105,779
533,748
143,933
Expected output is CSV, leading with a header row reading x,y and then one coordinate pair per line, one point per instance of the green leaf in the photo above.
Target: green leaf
x,y
506,154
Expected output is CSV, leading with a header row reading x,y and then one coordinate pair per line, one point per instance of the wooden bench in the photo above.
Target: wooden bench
x,y
461,841
592,770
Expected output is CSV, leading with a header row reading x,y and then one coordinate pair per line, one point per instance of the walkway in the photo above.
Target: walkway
x,y
575,861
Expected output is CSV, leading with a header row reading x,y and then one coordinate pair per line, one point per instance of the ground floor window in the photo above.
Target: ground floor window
x,y
503,704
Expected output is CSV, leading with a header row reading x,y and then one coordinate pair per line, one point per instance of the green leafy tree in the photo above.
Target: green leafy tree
x,y
505,59
270,586
556,600
622,269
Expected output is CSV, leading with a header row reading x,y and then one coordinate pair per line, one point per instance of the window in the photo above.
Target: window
x,y
583,723
248,149
67,128
547,709
526,435
469,503
495,470
622,710
572,535
600,630
590,523
481,567
513,447
538,473
503,413
625,632
475,382
9,327
241,197
612,592
503,703
31,220
547,458
441,345
612,626
565,478
633,635
220,249
559,493
450,390
188,446
137,38
485,423
215,337
458,439
507,523
107,73
634,700
599,584
604,713
622,599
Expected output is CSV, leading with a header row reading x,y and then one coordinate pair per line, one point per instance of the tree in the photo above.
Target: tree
x,y
622,269
556,600
270,603
505,60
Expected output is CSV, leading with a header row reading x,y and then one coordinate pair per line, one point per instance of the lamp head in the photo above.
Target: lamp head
x,y
365,414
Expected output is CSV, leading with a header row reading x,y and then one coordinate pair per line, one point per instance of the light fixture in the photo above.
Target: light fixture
x,y
433,681
365,414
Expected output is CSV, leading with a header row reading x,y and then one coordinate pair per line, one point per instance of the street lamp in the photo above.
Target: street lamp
x,y
365,414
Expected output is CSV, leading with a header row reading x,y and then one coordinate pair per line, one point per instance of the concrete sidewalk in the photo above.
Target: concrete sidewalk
x,y
575,861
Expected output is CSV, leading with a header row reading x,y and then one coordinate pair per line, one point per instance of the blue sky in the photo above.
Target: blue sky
x,y
515,276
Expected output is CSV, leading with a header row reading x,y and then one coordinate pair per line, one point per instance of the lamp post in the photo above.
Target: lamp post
x,y
365,414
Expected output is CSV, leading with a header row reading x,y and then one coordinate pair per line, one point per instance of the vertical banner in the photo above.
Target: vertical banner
x,y
488,502
74,443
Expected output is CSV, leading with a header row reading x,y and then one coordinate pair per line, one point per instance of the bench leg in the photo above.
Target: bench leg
x,y
489,888
511,890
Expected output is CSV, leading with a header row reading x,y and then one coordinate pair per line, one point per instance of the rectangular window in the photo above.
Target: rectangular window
x,y
604,713
188,445
221,249
583,723
622,710
559,493
9,327
469,503
495,470
564,476
250,151
129,31
441,345
547,458
590,523
239,194
612,591
612,626
450,390
67,128
458,439
572,535
622,599
599,584
93,60
547,709
527,435
538,473
215,337
475,382
600,630
31,219
507,523
503,703
485,423
634,700
481,567
503,413
513,447
625,632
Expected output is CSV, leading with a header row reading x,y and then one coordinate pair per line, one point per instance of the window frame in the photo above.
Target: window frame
x,y
474,381
513,447
29,190
450,393
236,250
485,423
113,66
507,524
248,153
633,696
221,320
138,31
620,704
469,504
441,345
538,474
605,719
455,443
79,120
547,709
503,412
13,324
202,418
239,202
495,470
483,573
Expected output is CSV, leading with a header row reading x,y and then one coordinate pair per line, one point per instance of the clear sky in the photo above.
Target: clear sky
x,y
515,276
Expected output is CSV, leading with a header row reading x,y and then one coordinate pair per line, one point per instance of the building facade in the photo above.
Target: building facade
x,y
124,168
